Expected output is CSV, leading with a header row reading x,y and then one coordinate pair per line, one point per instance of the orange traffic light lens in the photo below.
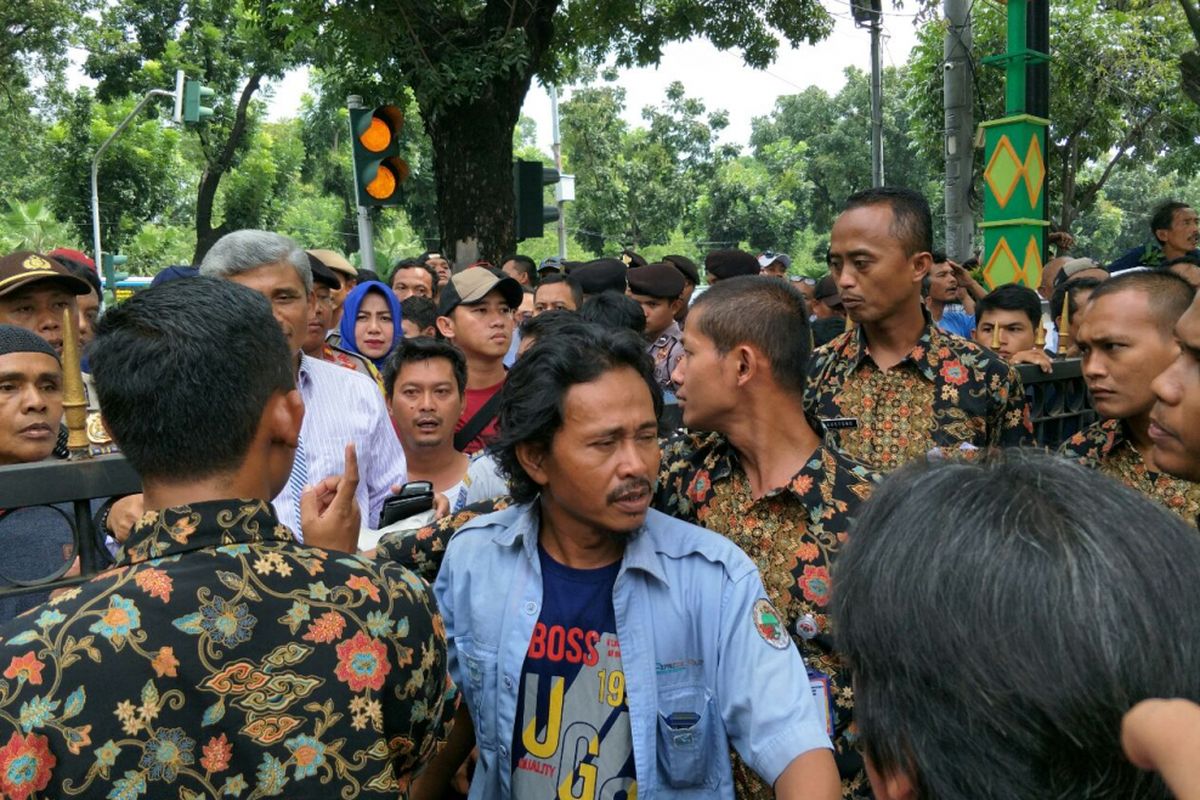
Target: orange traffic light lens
x,y
377,136
383,185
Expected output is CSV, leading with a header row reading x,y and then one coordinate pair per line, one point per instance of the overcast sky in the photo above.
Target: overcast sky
x,y
718,78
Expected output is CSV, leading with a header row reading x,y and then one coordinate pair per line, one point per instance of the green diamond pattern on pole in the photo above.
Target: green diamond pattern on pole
x,y
1035,171
1004,171
1002,267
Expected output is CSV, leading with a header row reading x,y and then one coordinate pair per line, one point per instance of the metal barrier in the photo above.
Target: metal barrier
x,y
1059,403
46,483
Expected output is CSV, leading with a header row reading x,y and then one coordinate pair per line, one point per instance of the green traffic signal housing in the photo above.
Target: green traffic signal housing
x,y
378,168
193,93
529,180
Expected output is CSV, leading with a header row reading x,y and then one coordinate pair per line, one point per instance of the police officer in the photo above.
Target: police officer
x,y
657,288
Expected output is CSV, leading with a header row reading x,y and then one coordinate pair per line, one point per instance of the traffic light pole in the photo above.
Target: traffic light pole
x,y
366,233
876,102
109,275
556,146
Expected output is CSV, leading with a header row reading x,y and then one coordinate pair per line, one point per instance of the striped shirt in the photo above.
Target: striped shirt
x,y
341,406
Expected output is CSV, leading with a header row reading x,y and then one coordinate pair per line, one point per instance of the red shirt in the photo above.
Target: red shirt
x,y
475,400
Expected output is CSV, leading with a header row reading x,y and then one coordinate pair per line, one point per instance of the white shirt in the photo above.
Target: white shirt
x,y
342,406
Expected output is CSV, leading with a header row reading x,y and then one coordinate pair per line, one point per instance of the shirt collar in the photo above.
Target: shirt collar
x,y
198,525
641,552
804,485
932,339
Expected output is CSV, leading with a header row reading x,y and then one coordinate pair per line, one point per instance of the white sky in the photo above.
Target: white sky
x,y
718,78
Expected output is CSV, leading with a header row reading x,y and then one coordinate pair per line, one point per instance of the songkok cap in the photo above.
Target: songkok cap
x,y
173,273
600,276
827,292
323,274
19,340
686,266
730,263
336,262
768,258
632,260
472,285
656,280
25,267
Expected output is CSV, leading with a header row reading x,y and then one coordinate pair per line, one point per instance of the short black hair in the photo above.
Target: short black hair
x,y
1011,297
1069,291
414,263
996,659
421,311
939,256
531,402
550,323
572,284
768,314
526,265
912,222
365,275
159,356
1169,295
424,348
1163,215
614,310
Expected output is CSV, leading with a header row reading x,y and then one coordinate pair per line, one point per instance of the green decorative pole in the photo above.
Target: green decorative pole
x,y
1014,220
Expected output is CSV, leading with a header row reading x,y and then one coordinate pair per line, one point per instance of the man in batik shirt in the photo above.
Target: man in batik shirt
x,y
896,387
762,478
1126,339
221,657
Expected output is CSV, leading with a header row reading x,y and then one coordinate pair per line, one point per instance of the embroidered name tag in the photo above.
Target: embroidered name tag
x,y
840,422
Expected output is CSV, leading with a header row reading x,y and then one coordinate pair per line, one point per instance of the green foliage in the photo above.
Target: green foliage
x,y
155,247
33,226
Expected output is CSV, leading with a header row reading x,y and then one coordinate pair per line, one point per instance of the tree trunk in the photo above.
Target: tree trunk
x,y
472,165
210,179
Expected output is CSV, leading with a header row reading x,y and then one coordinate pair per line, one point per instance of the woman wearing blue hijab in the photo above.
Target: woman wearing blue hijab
x,y
370,323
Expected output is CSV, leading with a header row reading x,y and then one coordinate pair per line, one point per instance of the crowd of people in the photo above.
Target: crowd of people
x,y
729,533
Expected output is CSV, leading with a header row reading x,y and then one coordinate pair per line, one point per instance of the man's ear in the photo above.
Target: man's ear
x,y
921,263
445,326
676,306
283,416
532,458
748,362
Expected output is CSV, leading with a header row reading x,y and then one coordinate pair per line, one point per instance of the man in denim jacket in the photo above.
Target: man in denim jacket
x,y
605,650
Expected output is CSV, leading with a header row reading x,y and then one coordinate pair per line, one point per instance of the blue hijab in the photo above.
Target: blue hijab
x,y
350,314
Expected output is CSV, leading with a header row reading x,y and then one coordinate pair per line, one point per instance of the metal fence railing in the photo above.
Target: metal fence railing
x,y
61,489
1059,404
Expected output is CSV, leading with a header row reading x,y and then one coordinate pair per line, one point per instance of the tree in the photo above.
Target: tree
x,y
1119,104
469,64
229,46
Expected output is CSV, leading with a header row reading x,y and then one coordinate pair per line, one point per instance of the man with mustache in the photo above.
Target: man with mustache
x,y
602,647
426,382
1126,339
1175,227
35,290
896,386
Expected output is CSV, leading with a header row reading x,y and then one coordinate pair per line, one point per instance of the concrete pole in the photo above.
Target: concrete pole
x,y
366,233
958,94
876,101
556,146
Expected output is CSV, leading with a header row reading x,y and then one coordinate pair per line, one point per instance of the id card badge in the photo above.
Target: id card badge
x,y
819,684
839,423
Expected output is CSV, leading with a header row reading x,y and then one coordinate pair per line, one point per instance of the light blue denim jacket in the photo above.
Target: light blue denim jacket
x,y
685,609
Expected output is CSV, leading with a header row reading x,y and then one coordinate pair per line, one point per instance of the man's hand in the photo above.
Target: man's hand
x,y
1164,735
329,515
123,514
1034,355
966,284
441,506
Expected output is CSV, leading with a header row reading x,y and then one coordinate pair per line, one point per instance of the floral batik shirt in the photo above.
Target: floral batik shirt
x,y
220,658
1106,446
793,534
948,394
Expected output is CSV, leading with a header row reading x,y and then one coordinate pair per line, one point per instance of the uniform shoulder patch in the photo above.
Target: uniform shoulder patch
x,y
769,624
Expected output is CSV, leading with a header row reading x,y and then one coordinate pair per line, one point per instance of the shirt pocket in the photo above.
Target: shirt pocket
x,y
686,732
479,668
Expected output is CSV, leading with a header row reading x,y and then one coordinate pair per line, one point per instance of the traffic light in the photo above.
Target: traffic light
x,y
529,179
378,168
193,93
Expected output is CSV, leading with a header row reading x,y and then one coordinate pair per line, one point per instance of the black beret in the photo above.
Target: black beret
x,y
730,263
600,275
686,266
656,280
322,274
632,259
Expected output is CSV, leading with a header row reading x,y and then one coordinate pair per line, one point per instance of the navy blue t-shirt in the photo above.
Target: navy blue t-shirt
x,y
572,723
